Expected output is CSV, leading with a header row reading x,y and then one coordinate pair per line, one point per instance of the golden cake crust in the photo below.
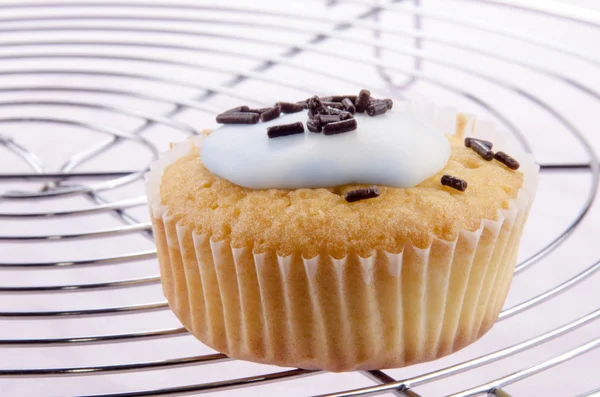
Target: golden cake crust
x,y
314,221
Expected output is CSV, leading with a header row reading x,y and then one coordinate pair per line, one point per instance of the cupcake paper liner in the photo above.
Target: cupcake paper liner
x,y
387,310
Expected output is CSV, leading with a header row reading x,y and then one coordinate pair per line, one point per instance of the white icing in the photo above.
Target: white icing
x,y
395,149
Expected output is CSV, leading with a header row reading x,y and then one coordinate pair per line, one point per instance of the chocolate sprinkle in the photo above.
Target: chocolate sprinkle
x,y
242,108
362,102
289,107
349,105
277,131
310,114
468,142
342,113
259,111
327,118
362,194
377,108
270,114
346,115
303,104
389,103
339,127
339,98
482,150
316,105
507,160
454,183
313,126
335,105
238,118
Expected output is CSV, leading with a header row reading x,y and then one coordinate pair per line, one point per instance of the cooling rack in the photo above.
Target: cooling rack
x,y
91,91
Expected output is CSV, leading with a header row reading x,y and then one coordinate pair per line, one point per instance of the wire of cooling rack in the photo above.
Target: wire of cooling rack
x,y
109,17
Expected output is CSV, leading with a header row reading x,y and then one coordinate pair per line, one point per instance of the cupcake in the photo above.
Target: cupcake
x,y
340,233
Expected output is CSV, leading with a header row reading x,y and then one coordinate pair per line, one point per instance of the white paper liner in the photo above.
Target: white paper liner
x,y
387,310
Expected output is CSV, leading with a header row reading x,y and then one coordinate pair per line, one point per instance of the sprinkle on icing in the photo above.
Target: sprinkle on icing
x,y
277,131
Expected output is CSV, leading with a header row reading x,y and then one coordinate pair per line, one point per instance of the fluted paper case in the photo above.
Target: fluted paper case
x,y
387,310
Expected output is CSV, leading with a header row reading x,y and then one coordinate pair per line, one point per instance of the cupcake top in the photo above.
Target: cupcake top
x,y
340,193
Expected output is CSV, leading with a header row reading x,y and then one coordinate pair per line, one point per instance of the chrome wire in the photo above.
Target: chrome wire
x,y
80,189
207,387
94,339
590,393
83,287
524,373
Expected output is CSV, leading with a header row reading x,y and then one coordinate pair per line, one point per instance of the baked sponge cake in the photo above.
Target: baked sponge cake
x,y
387,239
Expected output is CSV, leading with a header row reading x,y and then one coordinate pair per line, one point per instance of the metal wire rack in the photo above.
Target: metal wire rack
x,y
91,90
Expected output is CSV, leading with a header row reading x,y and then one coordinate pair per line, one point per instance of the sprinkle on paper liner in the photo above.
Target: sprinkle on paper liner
x,y
238,118
468,142
507,160
242,108
277,131
482,150
289,107
270,114
454,183
339,127
362,194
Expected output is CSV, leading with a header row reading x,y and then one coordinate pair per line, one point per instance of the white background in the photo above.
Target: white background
x,y
560,196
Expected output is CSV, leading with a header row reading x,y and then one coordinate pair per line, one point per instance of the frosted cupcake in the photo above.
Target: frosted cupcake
x,y
350,235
